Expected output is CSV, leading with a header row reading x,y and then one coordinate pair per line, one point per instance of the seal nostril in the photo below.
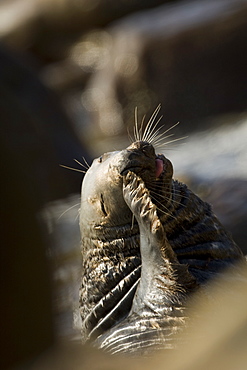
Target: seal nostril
x,y
103,205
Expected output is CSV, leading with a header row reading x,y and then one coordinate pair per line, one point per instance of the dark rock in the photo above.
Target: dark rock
x,y
26,311
35,137
44,25
36,130
213,164
229,200
189,56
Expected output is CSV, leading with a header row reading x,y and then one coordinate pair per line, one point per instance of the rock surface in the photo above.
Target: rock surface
x,y
187,55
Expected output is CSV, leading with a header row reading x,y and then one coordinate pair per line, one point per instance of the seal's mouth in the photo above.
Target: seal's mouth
x,y
132,166
137,168
159,166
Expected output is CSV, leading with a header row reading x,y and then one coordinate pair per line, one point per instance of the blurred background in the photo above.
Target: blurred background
x,y
71,74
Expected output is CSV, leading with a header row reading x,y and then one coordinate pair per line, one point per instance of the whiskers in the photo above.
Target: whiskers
x,y
167,200
152,133
85,166
69,209
163,202
161,206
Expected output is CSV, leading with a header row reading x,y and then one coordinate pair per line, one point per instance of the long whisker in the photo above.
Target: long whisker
x,y
150,123
73,169
141,127
161,189
166,182
173,141
152,128
67,210
151,120
165,197
153,194
174,147
156,133
129,136
142,123
136,131
132,222
152,133
77,216
170,128
160,137
83,165
163,206
162,192
86,162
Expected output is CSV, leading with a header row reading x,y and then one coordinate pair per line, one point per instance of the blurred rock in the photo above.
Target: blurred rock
x,y
229,200
87,14
213,164
61,218
189,55
26,311
63,76
219,152
35,127
43,24
87,55
20,21
35,137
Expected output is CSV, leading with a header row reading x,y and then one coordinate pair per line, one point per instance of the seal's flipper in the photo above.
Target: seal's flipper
x,y
163,279
158,309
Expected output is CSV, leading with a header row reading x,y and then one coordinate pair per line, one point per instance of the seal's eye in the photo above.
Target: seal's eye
x,y
103,157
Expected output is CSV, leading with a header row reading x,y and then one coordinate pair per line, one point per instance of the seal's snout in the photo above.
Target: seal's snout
x,y
144,147
139,157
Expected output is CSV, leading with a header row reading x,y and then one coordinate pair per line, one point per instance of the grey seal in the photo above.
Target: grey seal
x,y
148,243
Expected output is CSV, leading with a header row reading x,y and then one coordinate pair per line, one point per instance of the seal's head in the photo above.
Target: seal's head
x,y
102,202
